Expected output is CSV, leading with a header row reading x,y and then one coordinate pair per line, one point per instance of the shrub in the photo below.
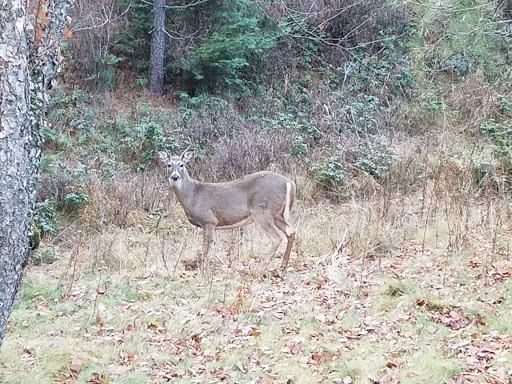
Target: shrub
x,y
45,217
45,255
76,199
60,183
374,156
460,38
330,174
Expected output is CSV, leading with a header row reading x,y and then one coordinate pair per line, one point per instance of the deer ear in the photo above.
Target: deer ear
x,y
187,156
163,156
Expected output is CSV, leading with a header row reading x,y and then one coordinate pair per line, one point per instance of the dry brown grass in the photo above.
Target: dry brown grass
x,y
134,222
121,200
134,311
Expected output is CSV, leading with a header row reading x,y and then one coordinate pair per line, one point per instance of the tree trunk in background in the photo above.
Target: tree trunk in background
x,y
156,65
23,96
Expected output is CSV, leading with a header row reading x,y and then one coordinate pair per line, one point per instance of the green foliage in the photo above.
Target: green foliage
x,y
48,163
125,291
499,132
492,168
79,96
45,217
497,165
237,42
390,68
49,133
133,39
141,81
294,114
188,104
374,157
83,125
31,290
139,134
330,173
505,105
301,30
459,64
77,198
458,38
46,255
363,113
130,137
299,145
108,74
35,237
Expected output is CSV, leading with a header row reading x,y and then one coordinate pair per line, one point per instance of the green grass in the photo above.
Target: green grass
x,y
357,328
430,366
30,290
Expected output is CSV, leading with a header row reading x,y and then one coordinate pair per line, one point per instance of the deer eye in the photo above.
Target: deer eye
x,y
181,165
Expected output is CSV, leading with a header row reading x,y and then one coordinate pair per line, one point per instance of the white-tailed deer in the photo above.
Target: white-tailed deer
x,y
264,197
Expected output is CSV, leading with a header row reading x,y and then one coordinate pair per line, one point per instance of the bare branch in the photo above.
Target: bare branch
x,y
107,19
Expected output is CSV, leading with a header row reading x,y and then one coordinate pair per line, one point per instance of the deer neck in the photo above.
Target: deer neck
x,y
184,191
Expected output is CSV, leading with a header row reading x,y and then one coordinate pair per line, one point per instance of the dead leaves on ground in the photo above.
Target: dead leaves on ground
x,y
312,322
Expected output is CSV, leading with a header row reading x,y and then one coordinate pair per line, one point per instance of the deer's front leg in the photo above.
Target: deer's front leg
x,y
208,232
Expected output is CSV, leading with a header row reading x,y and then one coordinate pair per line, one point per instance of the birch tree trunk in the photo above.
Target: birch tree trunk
x,y
156,65
29,58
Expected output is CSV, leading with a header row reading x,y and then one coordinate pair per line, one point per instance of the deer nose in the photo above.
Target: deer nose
x,y
175,177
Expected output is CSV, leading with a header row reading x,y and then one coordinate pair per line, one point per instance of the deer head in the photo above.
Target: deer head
x,y
176,164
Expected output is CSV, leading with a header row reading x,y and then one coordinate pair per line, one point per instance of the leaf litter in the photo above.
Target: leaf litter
x,y
377,319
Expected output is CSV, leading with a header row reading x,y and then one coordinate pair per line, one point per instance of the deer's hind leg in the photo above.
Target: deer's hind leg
x,y
266,222
289,231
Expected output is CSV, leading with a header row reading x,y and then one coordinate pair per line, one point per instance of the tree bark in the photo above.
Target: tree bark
x,y
17,154
158,38
23,96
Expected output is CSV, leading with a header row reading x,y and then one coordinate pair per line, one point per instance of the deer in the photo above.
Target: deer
x,y
263,197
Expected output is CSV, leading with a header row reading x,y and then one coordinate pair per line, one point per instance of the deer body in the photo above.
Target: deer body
x,y
265,197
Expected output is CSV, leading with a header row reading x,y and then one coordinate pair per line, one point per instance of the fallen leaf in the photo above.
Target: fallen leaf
x,y
316,356
29,351
295,349
76,365
255,333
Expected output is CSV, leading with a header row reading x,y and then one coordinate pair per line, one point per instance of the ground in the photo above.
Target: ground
x,y
414,313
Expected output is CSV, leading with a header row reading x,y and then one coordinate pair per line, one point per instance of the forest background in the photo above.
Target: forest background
x,y
393,117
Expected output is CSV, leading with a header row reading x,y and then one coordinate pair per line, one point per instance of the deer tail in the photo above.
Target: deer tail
x,y
289,200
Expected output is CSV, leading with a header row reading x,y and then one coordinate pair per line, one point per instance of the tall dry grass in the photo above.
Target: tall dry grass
x,y
430,198
435,193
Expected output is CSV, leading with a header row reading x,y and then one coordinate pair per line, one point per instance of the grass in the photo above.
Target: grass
x,y
368,317
388,286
